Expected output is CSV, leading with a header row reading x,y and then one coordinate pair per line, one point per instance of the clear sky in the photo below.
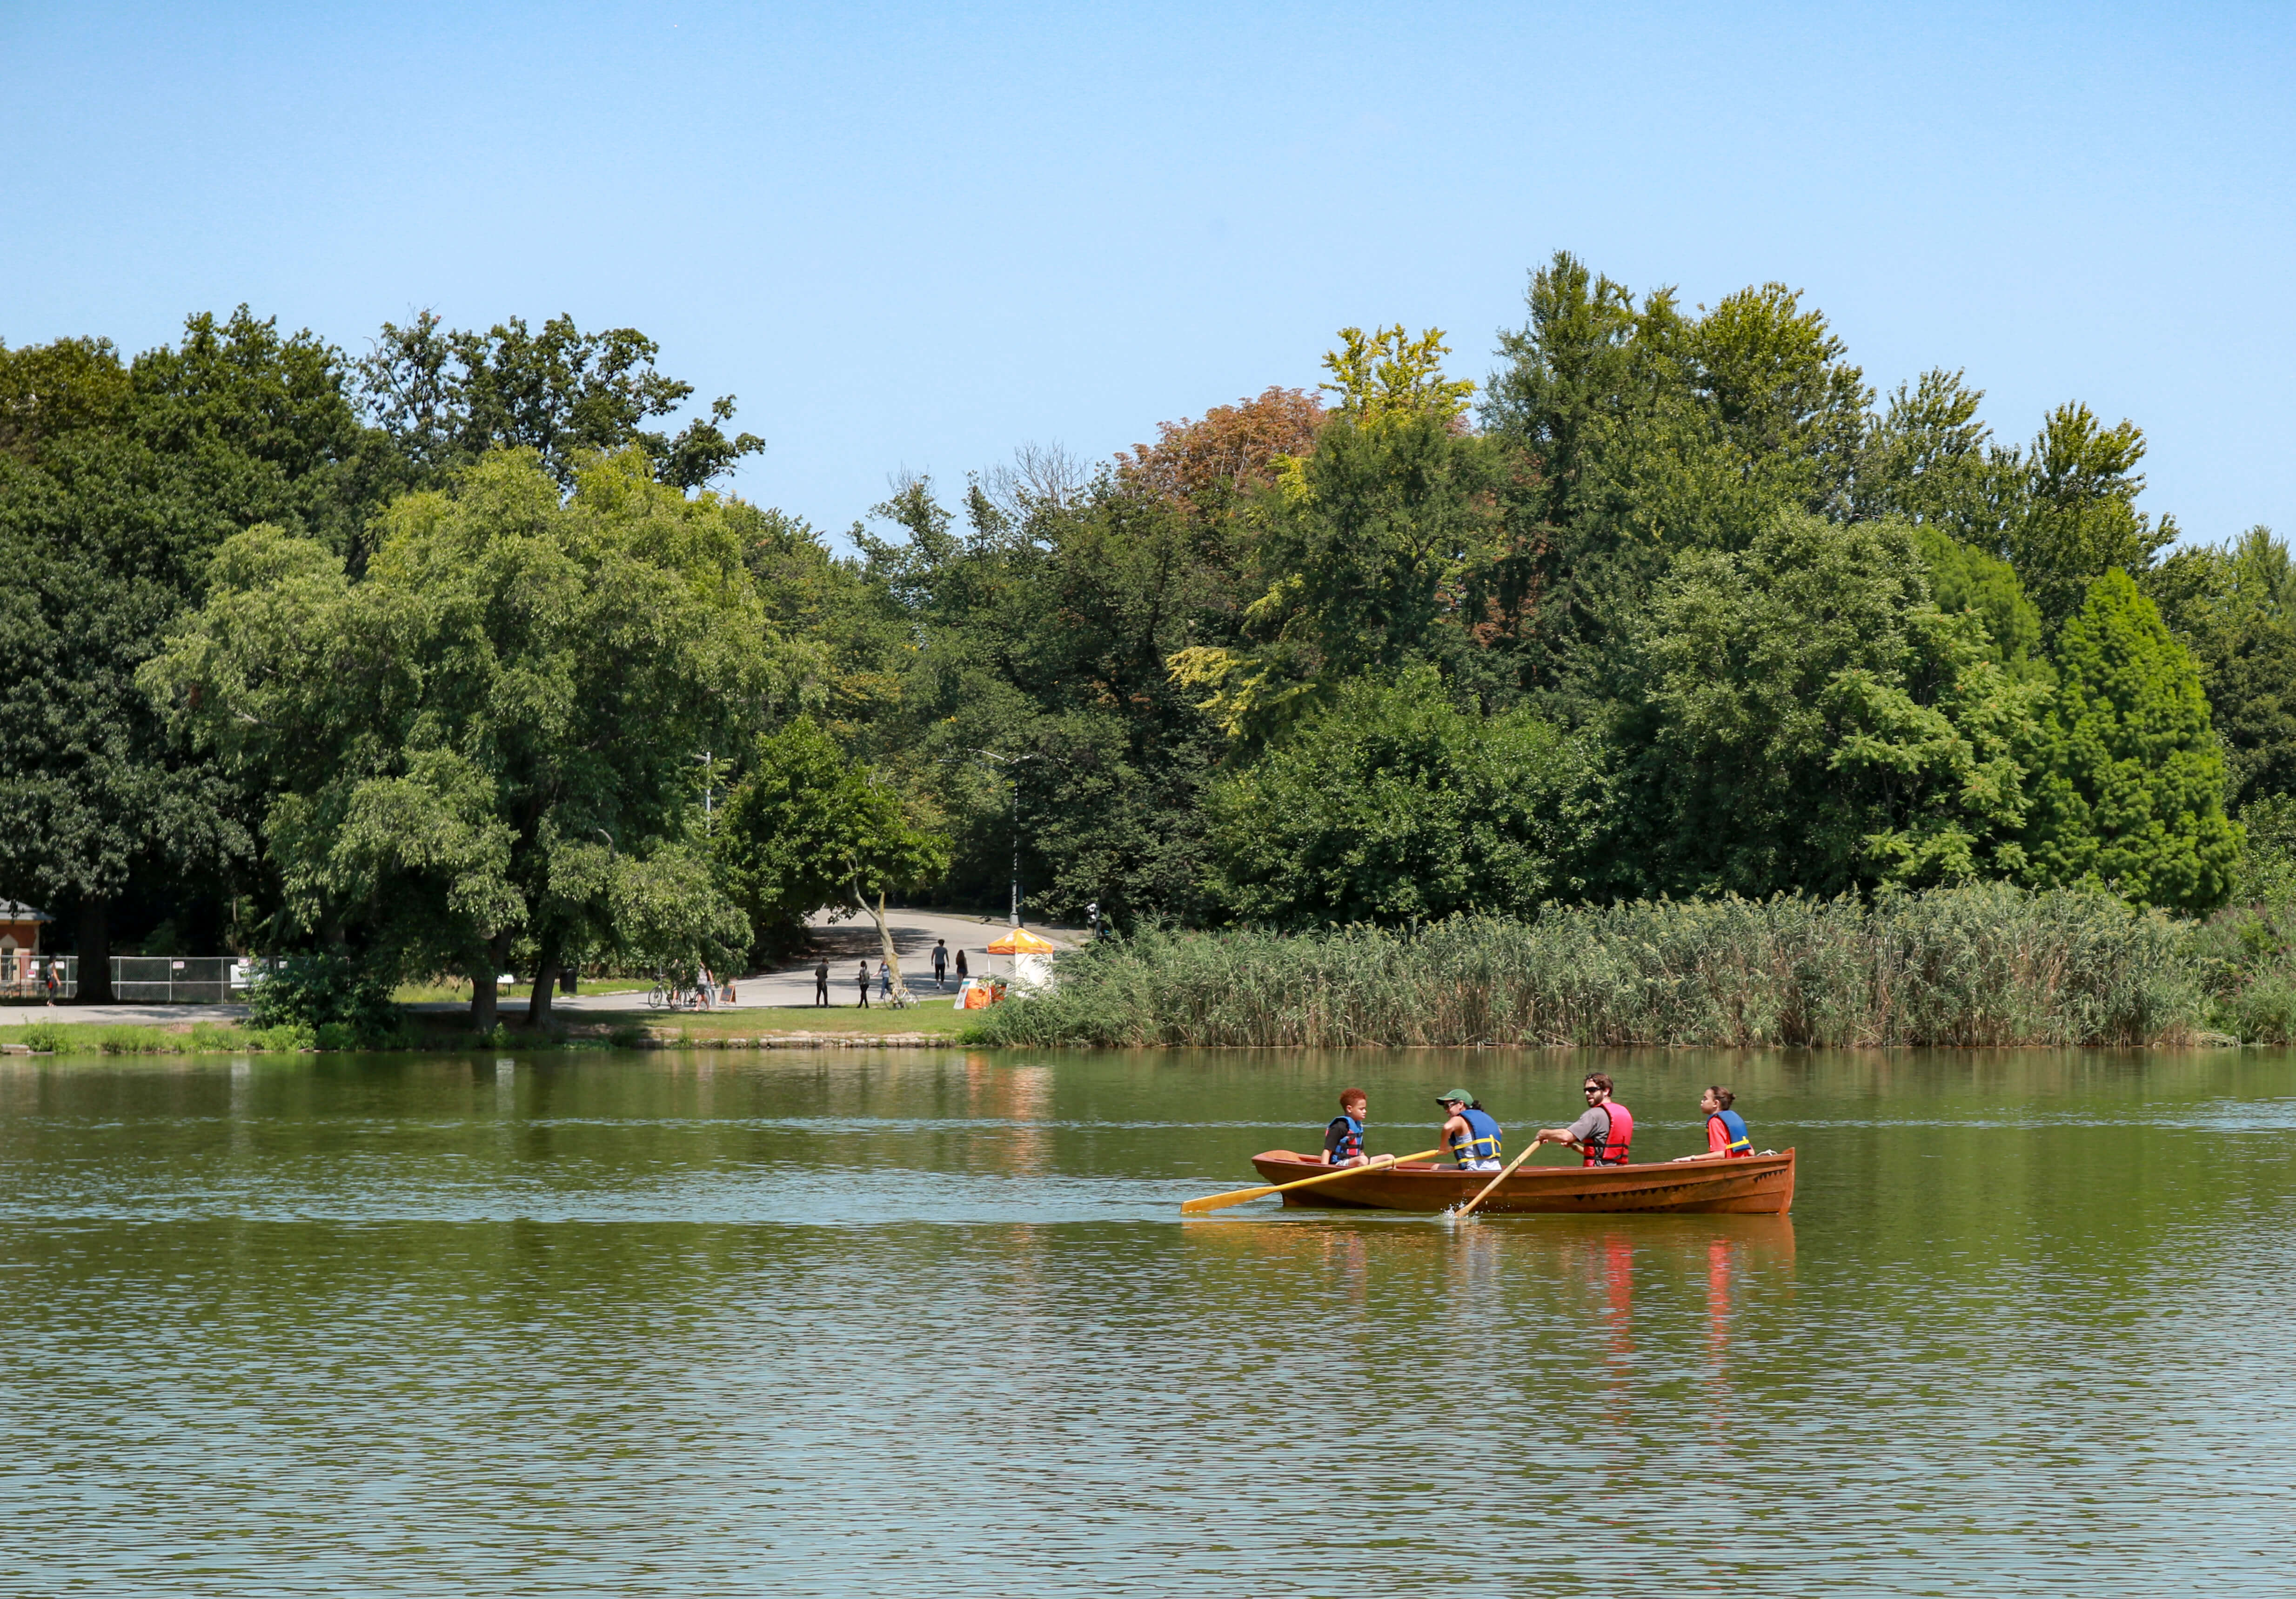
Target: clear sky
x,y
915,238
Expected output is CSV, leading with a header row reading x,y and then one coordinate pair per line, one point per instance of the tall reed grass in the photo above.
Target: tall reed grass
x,y
1989,964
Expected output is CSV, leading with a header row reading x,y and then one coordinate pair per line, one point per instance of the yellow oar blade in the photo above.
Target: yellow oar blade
x,y
1221,1202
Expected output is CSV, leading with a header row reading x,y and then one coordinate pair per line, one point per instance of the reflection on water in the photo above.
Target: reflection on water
x,y
931,1324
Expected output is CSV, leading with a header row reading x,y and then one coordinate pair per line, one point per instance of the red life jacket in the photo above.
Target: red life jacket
x,y
1610,1149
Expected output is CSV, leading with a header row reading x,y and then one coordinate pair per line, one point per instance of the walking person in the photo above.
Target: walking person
x,y
961,973
820,983
861,980
884,980
940,963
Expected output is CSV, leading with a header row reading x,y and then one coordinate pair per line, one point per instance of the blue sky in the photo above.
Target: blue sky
x,y
915,238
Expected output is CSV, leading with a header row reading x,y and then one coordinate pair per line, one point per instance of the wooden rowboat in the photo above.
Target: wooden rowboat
x,y
1752,1186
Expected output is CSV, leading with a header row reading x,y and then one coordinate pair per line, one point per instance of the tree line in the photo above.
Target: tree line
x,y
448,658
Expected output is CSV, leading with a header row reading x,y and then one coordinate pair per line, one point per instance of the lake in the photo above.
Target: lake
x,y
929,1323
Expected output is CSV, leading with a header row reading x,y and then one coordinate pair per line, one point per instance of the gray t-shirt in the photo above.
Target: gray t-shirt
x,y
1596,1121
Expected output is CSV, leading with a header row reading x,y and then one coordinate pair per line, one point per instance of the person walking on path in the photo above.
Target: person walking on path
x,y
961,973
884,980
940,963
861,979
1602,1134
820,983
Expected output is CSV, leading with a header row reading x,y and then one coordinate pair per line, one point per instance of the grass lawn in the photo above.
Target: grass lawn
x,y
936,1016
436,990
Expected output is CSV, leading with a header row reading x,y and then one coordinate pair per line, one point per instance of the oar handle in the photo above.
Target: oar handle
x,y
1221,1202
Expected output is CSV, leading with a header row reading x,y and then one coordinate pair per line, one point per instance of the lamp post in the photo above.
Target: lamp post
x,y
1011,760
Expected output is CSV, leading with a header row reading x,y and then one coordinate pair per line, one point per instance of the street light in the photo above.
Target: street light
x,y
1011,760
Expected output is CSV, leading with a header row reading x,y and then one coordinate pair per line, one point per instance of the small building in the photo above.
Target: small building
x,y
20,940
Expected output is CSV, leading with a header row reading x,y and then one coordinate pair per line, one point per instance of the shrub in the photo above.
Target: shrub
x,y
324,988
46,1037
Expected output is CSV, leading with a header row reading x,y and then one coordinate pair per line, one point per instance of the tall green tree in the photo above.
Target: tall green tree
x,y
117,482
2234,607
810,828
2076,518
493,732
2130,790
446,397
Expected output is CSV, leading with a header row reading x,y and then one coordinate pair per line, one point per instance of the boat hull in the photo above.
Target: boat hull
x,y
1752,1186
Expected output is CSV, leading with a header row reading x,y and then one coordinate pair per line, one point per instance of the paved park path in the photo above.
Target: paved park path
x,y
845,941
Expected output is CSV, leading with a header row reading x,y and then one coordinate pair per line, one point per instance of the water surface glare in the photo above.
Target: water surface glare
x,y
929,1323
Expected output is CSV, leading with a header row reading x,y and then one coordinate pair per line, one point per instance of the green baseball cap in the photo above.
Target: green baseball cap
x,y
1461,1094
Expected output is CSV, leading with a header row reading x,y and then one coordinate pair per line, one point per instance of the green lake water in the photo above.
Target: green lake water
x,y
929,1323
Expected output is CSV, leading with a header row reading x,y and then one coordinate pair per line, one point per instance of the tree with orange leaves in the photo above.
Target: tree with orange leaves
x,y
1206,466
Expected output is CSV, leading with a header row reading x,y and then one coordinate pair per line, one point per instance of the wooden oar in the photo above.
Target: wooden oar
x,y
1221,1202
1469,1208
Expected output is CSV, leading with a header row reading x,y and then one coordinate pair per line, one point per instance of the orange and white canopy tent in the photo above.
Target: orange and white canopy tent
x,y
1021,941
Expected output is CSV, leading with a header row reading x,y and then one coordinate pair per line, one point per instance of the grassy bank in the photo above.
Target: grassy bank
x,y
1986,965
590,1030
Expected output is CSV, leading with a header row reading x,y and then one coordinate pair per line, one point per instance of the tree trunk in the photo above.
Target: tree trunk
x,y
482,984
545,982
93,947
885,943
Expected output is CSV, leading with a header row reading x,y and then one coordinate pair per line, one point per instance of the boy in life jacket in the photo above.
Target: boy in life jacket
x,y
1343,1139
1726,1137
1468,1132
1602,1134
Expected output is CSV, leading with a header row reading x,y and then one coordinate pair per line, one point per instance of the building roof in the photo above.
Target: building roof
x,y
16,910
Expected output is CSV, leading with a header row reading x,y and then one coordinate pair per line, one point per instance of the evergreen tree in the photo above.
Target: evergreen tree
x,y
2130,791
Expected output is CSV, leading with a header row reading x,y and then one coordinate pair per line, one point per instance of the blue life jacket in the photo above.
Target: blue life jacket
x,y
1343,1139
1741,1141
1482,1142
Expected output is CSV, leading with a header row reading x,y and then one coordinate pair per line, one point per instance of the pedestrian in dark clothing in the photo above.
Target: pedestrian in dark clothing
x,y
821,982
862,977
961,973
940,963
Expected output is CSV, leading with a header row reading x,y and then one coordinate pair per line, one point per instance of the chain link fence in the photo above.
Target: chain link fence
x,y
139,979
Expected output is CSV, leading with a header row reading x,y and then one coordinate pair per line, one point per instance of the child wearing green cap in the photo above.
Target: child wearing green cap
x,y
1469,1132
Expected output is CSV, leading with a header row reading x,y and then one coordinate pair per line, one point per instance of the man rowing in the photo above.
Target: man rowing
x,y
1469,1132
1604,1132
1726,1137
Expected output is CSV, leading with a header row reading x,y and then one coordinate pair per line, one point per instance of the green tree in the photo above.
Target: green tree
x,y
809,827
2076,517
1655,430
2234,607
1378,548
447,397
2130,791
492,734
117,482
1393,803
1801,716
1964,577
